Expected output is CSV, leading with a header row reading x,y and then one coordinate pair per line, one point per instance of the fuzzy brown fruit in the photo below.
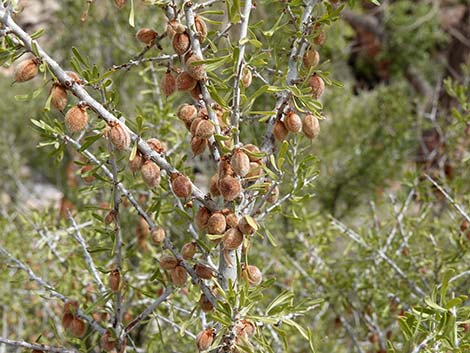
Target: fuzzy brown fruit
x,y
253,152
157,235
184,82
202,128
188,250
202,217
151,174
67,319
280,131
252,274
136,163
203,271
181,185
232,239
201,28
187,113
205,304
168,262
108,342
74,76
225,168
247,225
292,122
230,187
274,195
110,217
157,145
196,71
204,339
214,185
172,26
146,35
119,137
311,58
77,327
240,163
244,328
247,77
320,39
181,43
27,70
311,126
76,119
216,223
168,84
114,280
317,85
196,92
58,96
198,145
232,220
143,228
71,307
178,276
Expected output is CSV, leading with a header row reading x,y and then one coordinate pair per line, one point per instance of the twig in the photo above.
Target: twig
x,y
89,260
357,238
51,289
176,326
36,346
235,119
117,246
449,198
138,320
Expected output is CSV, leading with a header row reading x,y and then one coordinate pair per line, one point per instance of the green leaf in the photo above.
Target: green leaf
x,y
90,140
79,57
285,297
38,33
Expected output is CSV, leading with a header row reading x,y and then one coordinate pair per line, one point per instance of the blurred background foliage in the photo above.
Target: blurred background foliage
x,y
371,181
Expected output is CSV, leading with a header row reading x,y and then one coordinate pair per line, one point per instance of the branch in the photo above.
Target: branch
x,y
117,247
101,111
357,238
235,120
51,289
449,198
138,320
89,260
36,346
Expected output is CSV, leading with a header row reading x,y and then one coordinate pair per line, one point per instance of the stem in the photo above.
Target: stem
x,y
138,320
37,346
89,260
51,289
245,18
117,247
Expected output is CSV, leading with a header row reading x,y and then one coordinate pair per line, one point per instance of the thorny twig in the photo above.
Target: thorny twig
x,y
51,289
36,346
89,260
